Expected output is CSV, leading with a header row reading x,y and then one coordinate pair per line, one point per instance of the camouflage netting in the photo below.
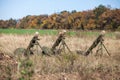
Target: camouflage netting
x,y
8,67
47,51
19,51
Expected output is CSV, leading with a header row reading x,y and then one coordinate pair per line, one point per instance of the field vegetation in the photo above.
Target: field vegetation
x,y
65,66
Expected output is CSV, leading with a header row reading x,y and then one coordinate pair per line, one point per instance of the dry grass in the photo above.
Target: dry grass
x,y
69,66
117,35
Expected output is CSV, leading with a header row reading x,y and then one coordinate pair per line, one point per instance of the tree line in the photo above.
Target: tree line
x,y
99,18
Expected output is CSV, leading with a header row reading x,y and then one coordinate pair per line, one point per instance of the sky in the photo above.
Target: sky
x,y
17,9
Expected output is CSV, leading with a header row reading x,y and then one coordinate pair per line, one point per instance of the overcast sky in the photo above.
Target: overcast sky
x,y
19,8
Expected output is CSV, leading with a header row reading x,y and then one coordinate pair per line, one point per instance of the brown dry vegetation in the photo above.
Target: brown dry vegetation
x,y
68,66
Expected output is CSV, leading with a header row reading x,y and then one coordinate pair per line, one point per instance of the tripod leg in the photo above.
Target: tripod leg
x,y
60,46
37,48
101,49
64,48
40,46
67,47
106,49
98,49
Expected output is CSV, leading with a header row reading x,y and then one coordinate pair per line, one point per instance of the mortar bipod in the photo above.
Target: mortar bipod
x,y
60,43
99,42
63,45
37,44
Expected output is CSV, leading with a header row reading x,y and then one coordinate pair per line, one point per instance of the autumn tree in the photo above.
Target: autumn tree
x,y
100,18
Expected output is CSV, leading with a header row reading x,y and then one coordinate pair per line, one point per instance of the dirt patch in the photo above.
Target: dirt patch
x,y
8,67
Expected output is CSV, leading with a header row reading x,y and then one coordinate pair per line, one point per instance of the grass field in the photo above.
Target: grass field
x,y
27,31
53,32
65,66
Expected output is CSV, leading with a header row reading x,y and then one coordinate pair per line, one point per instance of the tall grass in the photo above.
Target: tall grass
x,y
68,66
